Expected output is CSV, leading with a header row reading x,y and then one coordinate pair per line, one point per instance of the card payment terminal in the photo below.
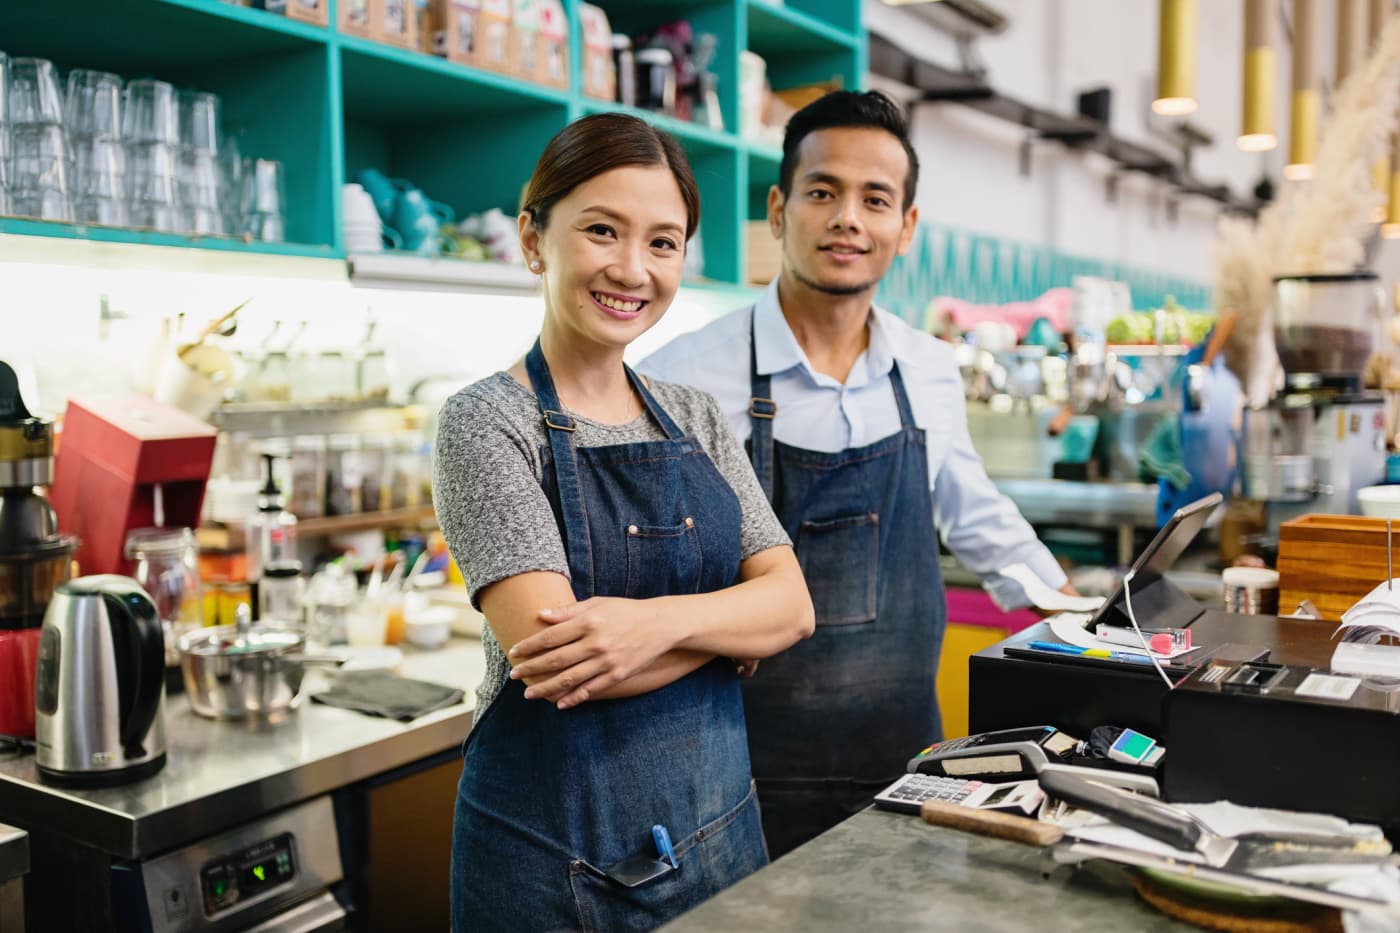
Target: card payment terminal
x,y
1008,755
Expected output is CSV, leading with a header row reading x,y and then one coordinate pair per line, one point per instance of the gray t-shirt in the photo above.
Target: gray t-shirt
x,y
494,513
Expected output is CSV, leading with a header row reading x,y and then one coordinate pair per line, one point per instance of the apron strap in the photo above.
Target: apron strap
x,y
560,433
653,407
901,398
762,410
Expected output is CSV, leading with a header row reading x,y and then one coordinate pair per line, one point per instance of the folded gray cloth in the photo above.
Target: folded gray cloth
x,y
383,693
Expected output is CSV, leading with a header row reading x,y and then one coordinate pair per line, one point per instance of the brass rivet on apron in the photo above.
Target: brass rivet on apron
x,y
632,529
689,522
874,518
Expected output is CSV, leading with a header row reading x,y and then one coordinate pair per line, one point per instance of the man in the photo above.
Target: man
x,y
856,427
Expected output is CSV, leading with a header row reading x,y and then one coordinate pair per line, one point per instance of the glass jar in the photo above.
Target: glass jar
x,y
376,453
282,593
406,472
307,491
344,475
166,567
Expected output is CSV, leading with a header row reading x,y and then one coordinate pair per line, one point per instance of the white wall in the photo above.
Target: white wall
x,y
1052,51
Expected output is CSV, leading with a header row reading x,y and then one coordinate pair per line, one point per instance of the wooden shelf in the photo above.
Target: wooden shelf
x,y
230,537
365,521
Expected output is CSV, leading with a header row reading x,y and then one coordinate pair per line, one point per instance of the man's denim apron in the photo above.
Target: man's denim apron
x,y
549,800
836,717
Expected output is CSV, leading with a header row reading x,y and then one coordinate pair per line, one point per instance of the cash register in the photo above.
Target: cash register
x,y
1253,714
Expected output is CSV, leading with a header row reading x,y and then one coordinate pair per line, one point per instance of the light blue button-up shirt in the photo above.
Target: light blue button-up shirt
x,y
979,525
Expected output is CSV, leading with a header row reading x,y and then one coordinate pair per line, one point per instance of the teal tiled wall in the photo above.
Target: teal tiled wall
x,y
991,270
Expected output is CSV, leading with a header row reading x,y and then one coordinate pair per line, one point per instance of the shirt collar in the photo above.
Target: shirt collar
x,y
778,350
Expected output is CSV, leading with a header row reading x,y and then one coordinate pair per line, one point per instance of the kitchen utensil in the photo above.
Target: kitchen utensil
x,y
219,325
165,566
246,671
100,690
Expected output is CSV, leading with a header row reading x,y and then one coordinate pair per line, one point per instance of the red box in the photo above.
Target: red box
x,y
112,454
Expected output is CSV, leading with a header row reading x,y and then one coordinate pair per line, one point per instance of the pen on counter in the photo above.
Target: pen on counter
x,y
1061,648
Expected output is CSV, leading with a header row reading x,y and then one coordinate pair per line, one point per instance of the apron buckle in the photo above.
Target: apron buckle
x,y
558,420
762,408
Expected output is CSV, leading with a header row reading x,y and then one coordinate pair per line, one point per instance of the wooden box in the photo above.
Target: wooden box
x,y
1333,560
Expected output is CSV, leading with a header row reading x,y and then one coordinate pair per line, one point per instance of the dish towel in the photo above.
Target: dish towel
x,y
383,693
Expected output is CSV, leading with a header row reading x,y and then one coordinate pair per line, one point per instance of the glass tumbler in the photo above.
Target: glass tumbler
x,y
199,122
150,113
41,164
101,180
92,107
34,92
153,185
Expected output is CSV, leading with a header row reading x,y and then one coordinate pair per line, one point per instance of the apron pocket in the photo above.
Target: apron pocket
x,y
840,559
603,905
663,560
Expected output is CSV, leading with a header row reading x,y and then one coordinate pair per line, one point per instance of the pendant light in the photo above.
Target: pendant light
x,y
1257,127
1352,39
1306,105
1176,58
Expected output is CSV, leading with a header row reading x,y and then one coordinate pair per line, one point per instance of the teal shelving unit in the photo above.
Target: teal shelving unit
x,y
329,105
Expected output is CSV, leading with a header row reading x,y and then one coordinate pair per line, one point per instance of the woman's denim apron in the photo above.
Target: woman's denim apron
x,y
551,800
836,717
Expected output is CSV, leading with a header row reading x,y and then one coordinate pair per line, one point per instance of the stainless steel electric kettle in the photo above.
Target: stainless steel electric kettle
x,y
99,694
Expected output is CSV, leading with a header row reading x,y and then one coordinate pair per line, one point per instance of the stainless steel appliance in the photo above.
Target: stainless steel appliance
x,y
271,874
99,693
34,557
1323,437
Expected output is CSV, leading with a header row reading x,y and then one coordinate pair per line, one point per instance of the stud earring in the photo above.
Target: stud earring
x,y
534,265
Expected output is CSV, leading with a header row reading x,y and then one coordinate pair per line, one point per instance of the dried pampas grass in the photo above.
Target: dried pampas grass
x,y
1313,227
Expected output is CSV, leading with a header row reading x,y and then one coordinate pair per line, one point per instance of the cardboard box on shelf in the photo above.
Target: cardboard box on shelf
x,y
524,45
309,11
455,30
352,17
599,71
552,45
494,31
394,22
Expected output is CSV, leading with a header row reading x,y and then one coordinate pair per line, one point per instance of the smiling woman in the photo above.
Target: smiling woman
x,y
617,542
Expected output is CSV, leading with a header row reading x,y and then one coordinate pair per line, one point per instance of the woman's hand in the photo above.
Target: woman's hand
x,y
589,647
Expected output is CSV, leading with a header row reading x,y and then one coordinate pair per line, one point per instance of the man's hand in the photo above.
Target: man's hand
x,y
589,647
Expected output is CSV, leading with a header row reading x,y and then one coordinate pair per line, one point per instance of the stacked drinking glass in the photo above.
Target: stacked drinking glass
x,y
138,154
41,162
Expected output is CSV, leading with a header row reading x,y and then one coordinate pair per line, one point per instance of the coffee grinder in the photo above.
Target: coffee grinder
x,y
1323,437
34,557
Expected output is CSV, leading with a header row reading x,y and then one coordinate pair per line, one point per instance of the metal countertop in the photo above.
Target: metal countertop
x,y
221,774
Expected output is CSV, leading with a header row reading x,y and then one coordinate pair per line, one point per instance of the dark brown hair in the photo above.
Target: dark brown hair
x,y
595,144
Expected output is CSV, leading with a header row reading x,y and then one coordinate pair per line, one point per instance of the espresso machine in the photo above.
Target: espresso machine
x,y
1323,437
34,557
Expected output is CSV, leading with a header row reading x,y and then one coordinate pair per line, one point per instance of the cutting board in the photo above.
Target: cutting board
x,y
1333,560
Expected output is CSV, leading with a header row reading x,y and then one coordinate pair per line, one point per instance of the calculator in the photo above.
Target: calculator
x,y
907,794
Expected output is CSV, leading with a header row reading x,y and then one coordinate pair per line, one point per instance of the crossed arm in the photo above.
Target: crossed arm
x,y
609,647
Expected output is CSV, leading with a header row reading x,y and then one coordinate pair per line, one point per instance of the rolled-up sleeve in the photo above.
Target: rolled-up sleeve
x,y
981,526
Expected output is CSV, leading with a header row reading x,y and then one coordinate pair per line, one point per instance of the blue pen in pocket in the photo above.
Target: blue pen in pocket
x,y
663,844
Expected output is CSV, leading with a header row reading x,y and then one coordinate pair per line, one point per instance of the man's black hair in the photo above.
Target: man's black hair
x,y
872,109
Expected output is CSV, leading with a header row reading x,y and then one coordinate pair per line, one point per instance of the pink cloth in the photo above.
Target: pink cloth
x,y
975,607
